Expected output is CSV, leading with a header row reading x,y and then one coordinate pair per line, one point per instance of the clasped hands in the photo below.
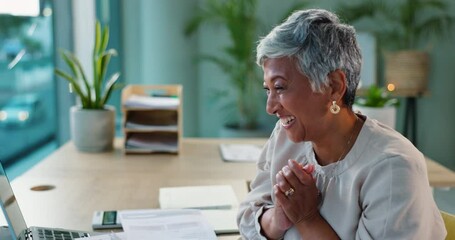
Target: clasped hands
x,y
296,195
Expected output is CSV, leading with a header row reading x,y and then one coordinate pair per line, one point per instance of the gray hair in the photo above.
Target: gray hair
x,y
320,43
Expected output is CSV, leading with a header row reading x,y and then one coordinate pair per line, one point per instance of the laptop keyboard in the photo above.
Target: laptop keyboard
x,y
49,234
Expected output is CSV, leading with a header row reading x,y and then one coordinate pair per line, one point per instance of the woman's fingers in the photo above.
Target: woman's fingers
x,y
302,201
303,174
280,196
292,180
293,177
282,182
309,168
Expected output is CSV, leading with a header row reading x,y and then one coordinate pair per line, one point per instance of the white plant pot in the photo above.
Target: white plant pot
x,y
92,130
386,115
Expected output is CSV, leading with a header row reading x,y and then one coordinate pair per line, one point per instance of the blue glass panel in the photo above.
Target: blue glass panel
x,y
27,88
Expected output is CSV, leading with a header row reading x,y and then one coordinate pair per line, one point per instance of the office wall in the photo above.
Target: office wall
x,y
211,41
108,13
436,114
157,52
64,40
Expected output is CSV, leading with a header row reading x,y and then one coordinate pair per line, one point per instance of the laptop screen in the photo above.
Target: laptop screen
x,y
10,206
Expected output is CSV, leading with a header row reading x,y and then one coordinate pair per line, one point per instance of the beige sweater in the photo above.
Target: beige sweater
x,y
380,190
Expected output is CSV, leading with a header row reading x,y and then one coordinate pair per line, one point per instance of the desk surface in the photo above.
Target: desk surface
x,y
84,182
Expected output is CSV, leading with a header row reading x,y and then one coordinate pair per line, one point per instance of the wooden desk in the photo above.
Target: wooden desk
x,y
86,182
439,176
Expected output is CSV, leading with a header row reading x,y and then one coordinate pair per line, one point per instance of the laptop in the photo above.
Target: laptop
x,y
17,228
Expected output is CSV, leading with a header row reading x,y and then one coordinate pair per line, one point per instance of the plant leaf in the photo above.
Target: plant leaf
x,y
104,40
97,47
81,73
104,62
377,97
91,97
109,87
65,55
76,87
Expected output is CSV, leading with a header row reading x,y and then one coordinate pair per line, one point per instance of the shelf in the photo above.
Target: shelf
x,y
152,118
156,142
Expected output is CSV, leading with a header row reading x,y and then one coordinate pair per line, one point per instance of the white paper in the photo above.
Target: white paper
x,y
145,143
107,236
166,224
240,152
198,197
138,101
222,221
139,126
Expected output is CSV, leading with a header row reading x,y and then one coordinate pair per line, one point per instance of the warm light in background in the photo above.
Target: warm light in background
x,y
23,115
47,11
3,115
391,87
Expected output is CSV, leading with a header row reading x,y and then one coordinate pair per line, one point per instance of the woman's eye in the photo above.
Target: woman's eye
x,y
279,88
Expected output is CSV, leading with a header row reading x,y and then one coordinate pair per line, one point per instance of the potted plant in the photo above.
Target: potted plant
x,y
244,101
238,16
92,122
379,104
400,28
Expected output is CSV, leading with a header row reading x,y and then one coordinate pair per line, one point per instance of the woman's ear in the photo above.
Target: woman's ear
x,y
337,84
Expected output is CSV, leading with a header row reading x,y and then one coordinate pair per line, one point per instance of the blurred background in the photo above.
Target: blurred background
x,y
154,48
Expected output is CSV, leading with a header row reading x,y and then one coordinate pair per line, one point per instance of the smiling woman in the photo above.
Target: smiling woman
x,y
327,172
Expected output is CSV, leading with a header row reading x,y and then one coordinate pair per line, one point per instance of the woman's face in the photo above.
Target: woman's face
x,y
302,112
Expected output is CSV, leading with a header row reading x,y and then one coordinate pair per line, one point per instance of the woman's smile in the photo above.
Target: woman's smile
x,y
287,121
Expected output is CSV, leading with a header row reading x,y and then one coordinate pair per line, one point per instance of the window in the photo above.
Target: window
x,y
27,89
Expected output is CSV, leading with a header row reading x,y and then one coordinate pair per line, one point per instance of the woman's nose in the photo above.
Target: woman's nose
x,y
272,104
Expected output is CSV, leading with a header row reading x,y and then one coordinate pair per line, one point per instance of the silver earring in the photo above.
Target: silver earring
x,y
335,109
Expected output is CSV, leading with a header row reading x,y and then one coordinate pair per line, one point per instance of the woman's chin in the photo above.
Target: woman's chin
x,y
294,137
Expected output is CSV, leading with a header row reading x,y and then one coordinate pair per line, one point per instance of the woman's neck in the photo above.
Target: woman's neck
x,y
336,144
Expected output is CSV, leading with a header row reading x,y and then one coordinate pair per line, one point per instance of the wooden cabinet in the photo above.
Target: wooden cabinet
x,y
152,118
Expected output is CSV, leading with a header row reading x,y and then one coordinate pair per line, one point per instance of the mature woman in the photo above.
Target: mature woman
x,y
326,172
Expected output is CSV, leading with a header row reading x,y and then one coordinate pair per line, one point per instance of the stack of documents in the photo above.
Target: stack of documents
x,y
198,197
140,142
149,102
187,213
218,203
175,224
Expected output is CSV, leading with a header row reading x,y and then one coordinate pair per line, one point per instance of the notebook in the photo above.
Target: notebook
x,y
218,203
198,197
240,152
17,227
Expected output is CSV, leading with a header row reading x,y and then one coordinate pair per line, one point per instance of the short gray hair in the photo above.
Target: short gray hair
x,y
320,43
